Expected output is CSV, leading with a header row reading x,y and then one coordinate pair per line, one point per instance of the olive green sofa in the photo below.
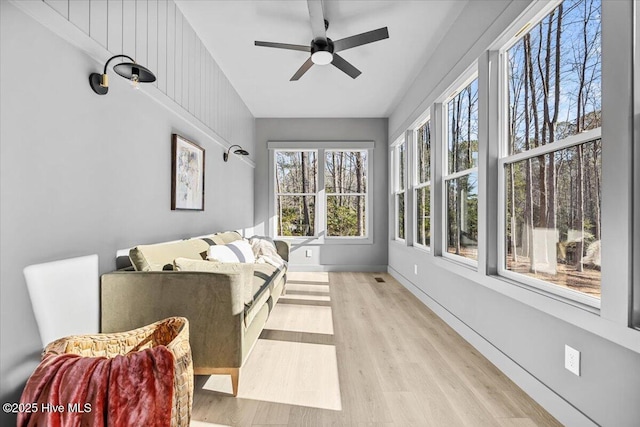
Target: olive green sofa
x,y
227,304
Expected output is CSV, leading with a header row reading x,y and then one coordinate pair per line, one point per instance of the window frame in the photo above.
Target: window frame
x,y
465,79
320,223
365,194
417,185
398,188
505,159
618,319
634,308
315,195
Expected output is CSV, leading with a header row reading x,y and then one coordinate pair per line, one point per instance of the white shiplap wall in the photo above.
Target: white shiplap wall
x,y
156,34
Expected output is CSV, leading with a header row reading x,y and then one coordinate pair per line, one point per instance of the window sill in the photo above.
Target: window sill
x,y
348,240
320,240
399,243
422,248
461,261
572,312
514,289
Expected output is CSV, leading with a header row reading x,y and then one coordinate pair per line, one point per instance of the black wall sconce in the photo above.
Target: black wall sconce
x,y
129,70
240,151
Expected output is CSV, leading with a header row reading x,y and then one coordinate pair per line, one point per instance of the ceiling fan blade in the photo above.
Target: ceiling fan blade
x,y
360,39
345,66
317,19
303,69
284,46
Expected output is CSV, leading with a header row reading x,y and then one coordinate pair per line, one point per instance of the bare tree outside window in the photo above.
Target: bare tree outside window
x,y
461,182
422,188
346,189
296,187
399,155
552,204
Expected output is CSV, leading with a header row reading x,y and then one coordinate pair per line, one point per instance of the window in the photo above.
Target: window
x,y
551,167
399,159
422,187
346,189
296,187
461,172
322,192
526,185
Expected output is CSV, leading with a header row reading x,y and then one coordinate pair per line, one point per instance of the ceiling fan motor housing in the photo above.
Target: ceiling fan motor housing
x,y
322,48
322,51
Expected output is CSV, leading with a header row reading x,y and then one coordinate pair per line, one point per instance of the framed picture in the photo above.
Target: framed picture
x,y
187,175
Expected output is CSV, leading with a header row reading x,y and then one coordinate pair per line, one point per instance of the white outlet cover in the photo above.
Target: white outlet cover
x,y
572,360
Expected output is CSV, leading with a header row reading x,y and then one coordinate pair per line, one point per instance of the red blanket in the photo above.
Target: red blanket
x,y
68,390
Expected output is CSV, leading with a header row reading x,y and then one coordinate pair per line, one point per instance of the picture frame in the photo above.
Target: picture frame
x,y
187,174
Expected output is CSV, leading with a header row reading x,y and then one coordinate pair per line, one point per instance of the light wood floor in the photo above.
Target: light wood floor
x,y
343,349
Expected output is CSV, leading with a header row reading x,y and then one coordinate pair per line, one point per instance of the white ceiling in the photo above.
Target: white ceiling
x,y
261,75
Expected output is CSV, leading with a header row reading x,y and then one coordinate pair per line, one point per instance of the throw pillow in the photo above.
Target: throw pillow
x,y
238,251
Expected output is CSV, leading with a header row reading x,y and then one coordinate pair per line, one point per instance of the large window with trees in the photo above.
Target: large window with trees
x,y
296,187
522,188
322,193
551,163
422,184
398,156
346,191
461,172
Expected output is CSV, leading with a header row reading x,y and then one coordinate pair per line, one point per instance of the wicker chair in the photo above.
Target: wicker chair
x,y
172,333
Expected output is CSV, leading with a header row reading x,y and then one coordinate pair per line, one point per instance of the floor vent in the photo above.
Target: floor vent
x,y
379,279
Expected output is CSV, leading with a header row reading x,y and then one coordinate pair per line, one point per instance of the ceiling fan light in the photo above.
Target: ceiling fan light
x,y
322,57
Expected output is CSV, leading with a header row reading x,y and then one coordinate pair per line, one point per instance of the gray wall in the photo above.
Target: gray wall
x,y
328,257
529,331
82,174
157,35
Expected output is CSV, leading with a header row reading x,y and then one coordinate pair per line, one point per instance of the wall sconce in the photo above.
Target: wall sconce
x,y
129,70
240,151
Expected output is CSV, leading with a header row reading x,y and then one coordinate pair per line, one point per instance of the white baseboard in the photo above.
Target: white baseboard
x,y
562,410
338,267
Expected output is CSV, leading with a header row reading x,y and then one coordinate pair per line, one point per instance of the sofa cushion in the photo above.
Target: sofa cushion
x,y
160,256
265,278
157,257
221,238
186,264
238,251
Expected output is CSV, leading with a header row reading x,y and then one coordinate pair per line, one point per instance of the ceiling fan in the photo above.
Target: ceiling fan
x,y
324,50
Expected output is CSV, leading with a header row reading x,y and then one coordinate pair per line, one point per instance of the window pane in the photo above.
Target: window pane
x,y
462,216
401,162
554,77
296,215
462,113
400,215
423,145
553,231
296,171
423,218
346,216
345,172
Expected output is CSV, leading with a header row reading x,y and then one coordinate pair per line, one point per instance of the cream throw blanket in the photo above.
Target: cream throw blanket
x,y
265,251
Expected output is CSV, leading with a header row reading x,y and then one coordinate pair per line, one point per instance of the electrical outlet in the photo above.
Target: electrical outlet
x,y
415,268
308,253
572,360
